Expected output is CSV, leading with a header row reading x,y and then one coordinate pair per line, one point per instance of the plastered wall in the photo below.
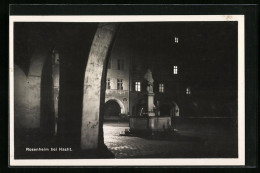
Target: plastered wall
x,y
27,93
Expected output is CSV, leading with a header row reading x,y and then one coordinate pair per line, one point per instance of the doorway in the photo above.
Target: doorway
x,y
112,111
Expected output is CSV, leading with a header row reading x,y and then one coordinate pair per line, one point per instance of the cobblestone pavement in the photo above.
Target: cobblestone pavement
x,y
194,142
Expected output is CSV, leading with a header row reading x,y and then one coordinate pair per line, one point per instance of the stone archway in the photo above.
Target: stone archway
x,y
94,86
122,107
112,111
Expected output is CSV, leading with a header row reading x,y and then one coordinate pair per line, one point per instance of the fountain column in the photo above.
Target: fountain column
x,y
150,93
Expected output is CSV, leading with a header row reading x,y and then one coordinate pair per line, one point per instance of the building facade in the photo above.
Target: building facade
x,y
165,87
126,88
117,87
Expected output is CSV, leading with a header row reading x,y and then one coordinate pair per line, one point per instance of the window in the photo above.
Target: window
x,y
137,86
161,88
175,69
108,83
120,84
176,39
120,64
188,90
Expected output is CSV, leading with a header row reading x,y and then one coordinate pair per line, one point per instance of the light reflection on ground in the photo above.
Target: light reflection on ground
x,y
214,138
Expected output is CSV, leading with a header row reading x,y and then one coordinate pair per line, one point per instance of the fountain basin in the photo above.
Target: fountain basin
x,y
139,124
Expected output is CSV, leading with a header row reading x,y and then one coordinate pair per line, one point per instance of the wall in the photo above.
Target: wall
x,y
21,105
119,51
27,93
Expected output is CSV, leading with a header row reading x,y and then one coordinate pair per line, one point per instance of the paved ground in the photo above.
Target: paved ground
x,y
205,138
196,138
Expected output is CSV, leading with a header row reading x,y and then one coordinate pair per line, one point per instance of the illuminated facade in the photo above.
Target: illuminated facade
x,y
117,87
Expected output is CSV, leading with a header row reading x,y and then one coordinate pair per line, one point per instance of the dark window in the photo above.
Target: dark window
x,y
120,84
108,83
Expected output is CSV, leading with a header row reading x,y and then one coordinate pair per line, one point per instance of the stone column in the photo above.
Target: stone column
x,y
56,84
151,104
150,95
92,84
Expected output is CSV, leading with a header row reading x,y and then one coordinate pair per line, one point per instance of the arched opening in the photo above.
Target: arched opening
x,y
169,108
113,110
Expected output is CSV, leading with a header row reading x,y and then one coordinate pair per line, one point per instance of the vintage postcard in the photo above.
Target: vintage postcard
x,y
133,90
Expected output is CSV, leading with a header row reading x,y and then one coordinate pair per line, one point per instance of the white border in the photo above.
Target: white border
x,y
135,162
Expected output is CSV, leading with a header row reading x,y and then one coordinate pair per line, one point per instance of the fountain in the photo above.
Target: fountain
x,y
149,121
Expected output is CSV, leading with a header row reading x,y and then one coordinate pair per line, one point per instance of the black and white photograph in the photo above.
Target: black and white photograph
x,y
127,90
